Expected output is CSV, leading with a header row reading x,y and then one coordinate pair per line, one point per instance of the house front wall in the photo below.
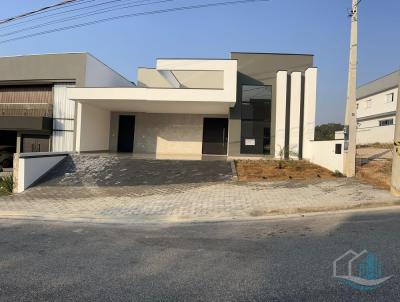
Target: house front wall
x,y
163,134
261,70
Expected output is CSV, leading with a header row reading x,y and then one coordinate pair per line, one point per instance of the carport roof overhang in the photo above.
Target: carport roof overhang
x,y
154,100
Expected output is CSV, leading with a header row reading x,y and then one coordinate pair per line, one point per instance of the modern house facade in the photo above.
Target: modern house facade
x,y
35,113
250,105
376,109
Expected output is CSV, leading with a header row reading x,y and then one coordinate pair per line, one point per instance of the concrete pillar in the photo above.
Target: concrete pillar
x,y
280,117
395,188
310,103
16,172
19,142
295,102
78,127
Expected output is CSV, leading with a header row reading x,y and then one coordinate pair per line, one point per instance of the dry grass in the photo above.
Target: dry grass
x,y
274,170
377,173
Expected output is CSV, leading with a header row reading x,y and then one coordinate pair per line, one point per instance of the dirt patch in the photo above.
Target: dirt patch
x,y
274,170
377,173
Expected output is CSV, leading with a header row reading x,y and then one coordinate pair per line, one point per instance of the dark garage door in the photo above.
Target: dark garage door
x,y
215,136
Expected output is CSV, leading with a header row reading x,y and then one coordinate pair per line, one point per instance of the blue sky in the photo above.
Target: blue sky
x,y
320,27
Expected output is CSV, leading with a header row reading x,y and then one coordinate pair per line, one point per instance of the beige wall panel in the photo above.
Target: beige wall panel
x,y
93,128
148,77
211,79
168,134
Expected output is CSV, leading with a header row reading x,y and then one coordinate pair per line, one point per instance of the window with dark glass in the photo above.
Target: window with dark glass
x,y
256,119
386,122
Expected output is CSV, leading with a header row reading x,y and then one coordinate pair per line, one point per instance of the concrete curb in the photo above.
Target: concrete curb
x,y
159,220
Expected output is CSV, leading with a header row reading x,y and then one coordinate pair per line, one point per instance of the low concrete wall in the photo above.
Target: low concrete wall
x,y
29,167
323,154
371,135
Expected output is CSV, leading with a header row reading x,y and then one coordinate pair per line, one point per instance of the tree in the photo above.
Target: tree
x,y
327,131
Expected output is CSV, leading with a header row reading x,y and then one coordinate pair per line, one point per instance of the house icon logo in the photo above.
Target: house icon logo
x,y
362,271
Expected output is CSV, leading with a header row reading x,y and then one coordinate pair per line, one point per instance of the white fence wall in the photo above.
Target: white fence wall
x,y
29,167
322,153
369,132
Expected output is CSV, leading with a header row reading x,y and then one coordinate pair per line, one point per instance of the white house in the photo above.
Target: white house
x,y
376,109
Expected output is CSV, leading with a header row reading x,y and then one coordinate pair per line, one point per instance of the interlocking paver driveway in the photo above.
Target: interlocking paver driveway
x,y
139,190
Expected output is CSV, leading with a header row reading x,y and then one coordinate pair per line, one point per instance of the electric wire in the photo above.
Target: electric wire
x,y
132,15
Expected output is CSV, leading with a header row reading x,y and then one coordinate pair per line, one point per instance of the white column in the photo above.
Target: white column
x,y
280,116
310,103
78,128
295,101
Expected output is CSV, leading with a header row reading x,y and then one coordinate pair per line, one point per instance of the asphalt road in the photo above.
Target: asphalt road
x,y
271,260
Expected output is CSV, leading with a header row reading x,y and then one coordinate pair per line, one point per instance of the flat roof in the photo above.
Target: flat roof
x,y
272,53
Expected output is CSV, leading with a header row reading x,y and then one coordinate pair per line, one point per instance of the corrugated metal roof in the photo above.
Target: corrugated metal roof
x,y
379,85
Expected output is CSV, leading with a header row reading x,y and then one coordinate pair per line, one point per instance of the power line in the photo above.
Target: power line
x,y
63,12
86,14
154,12
24,15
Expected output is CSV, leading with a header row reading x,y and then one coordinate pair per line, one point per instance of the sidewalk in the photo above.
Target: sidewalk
x,y
192,202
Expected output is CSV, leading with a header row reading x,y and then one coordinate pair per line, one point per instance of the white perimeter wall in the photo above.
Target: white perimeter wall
x,y
30,169
369,132
323,154
93,128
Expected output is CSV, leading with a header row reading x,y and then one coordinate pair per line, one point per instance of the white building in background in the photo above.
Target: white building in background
x,y
376,109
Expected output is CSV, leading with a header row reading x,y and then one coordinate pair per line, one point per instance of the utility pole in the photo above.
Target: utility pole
x,y
395,183
350,128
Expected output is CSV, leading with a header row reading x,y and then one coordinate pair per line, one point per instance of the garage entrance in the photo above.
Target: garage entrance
x,y
215,136
8,142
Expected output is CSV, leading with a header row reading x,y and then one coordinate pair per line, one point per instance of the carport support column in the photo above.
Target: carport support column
x,y
295,102
310,100
78,127
280,119
19,142
395,183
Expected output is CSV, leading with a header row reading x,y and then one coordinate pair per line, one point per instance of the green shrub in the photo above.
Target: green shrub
x,y
337,173
6,184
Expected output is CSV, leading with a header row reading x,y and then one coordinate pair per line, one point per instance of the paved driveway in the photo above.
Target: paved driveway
x,y
117,188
